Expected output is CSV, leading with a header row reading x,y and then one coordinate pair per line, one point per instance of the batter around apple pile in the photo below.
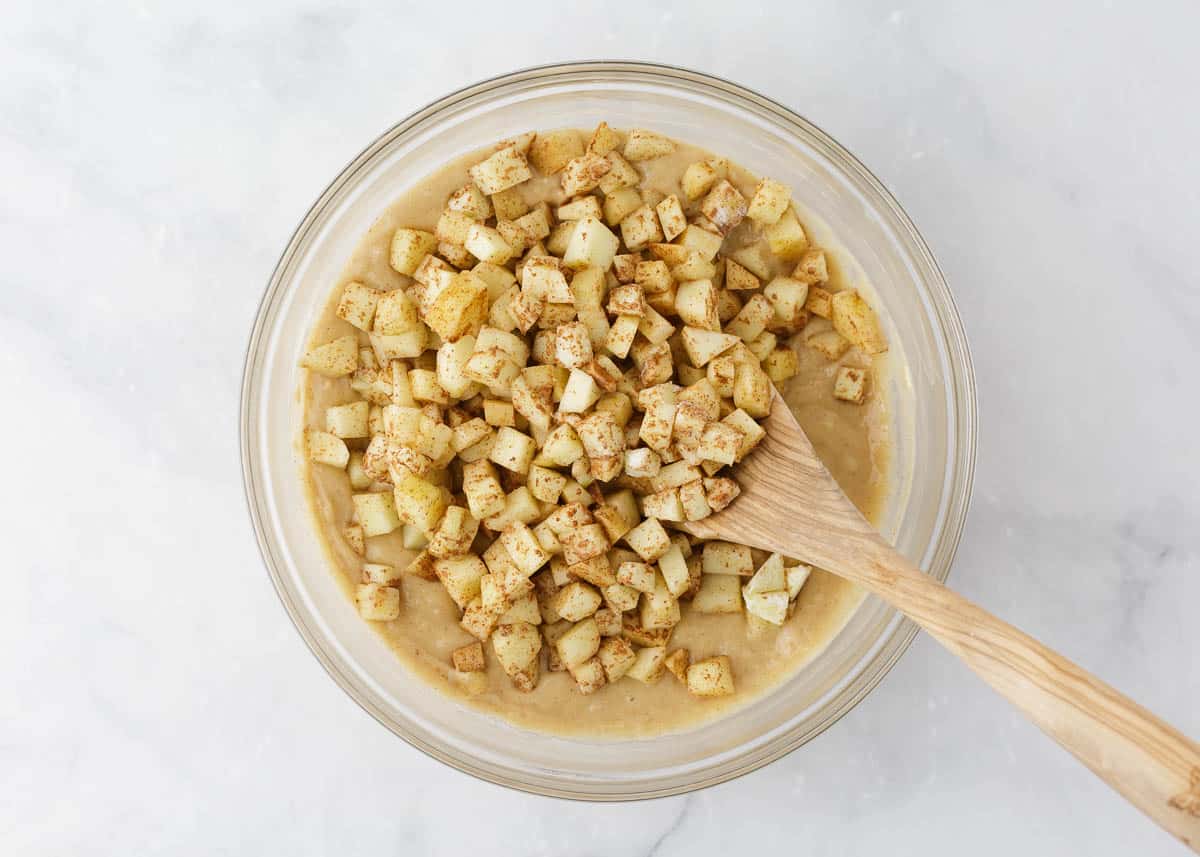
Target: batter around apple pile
x,y
536,361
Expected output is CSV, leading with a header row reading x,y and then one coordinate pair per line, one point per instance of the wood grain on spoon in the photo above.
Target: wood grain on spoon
x,y
790,504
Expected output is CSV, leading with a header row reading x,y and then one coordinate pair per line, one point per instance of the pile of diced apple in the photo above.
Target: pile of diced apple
x,y
563,379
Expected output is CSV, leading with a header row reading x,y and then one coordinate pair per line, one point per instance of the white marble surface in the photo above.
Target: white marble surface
x,y
155,157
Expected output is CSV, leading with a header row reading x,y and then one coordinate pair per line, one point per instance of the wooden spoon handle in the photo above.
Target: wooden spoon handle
x,y
1149,762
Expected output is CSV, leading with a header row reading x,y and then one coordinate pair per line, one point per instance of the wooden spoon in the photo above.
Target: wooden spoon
x,y
790,504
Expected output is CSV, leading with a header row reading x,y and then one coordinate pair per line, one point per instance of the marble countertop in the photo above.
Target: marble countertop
x,y
154,159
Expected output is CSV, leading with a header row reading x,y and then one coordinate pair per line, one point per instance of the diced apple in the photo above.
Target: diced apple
x,y
786,237
616,655
621,174
854,319
576,601
505,169
703,345
580,394
699,177
326,448
724,206
829,344
378,603
459,309
812,267
603,140
727,558
781,364
409,247
524,548
579,643
420,503
642,145
700,240
487,244
696,305
787,297
718,593
468,658
516,646
640,227
671,217
647,667
850,385
621,335
551,150
769,202
357,304
592,245
674,571
771,607
583,173
334,359
460,576
470,200
513,450
711,677
796,576
579,208
589,676
649,540
677,662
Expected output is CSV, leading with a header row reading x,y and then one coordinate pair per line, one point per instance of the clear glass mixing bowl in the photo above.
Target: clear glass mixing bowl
x,y
932,395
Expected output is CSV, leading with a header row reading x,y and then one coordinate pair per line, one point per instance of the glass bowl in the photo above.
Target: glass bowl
x,y
931,393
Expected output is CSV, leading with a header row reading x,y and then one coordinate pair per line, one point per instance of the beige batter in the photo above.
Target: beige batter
x,y
851,439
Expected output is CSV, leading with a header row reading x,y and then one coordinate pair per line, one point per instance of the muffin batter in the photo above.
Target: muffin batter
x,y
851,439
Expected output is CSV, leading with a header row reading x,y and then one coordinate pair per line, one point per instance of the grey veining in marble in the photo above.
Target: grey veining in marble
x,y
154,158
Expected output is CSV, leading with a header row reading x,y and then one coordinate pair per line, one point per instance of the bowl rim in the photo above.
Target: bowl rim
x,y
945,314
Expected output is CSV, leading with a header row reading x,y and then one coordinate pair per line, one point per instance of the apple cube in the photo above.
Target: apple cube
x,y
377,603
460,576
551,150
649,540
677,662
420,503
786,237
409,247
576,601
854,319
671,217
647,667
592,245
812,267
589,676
642,145
516,645
769,202
524,548
616,655
460,308
357,304
850,385
724,206
579,643
583,173
468,658
334,359
505,169
326,448
718,593
699,177
711,677
829,344
603,139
